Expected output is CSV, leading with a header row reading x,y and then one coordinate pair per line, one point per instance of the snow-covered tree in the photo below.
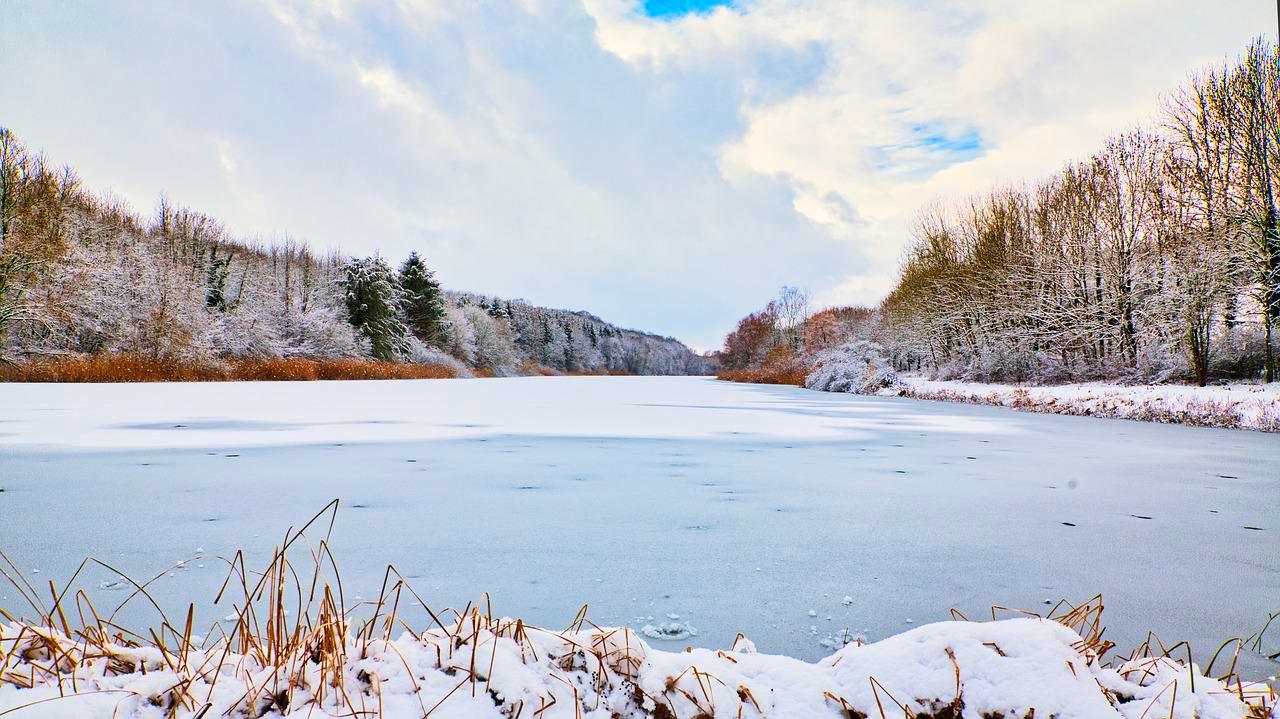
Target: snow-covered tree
x,y
373,299
423,302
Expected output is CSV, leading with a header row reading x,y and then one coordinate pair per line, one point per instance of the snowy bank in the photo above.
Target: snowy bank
x,y
484,667
1242,406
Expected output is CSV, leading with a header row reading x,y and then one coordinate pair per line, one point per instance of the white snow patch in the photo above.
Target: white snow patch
x,y
1244,406
1002,668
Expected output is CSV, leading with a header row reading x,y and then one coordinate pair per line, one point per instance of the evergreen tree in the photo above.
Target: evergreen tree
x,y
570,356
215,295
422,301
373,298
548,342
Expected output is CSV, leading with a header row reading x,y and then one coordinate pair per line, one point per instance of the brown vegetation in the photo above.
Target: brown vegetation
x,y
132,368
324,654
781,365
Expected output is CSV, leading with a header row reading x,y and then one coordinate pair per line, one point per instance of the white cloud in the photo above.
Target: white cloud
x,y
389,90
226,157
665,174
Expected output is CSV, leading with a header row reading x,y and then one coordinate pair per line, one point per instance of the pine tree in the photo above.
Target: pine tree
x,y
422,302
570,356
548,342
373,298
215,295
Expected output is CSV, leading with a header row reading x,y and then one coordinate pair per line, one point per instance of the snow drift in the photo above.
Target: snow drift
x,y
501,668
1242,406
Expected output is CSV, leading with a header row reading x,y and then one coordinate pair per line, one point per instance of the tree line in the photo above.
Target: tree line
x,y
1155,258
81,274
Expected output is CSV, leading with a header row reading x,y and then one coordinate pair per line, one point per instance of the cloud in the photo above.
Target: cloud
x,y
668,172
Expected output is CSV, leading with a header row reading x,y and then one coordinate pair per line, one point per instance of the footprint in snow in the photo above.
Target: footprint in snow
x,y
1068,524
1227,476
1139,516
1256,529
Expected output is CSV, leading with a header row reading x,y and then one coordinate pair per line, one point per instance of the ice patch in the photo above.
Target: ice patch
x,y
669,631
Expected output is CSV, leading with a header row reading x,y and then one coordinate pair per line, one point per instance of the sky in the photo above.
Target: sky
x,y
665,164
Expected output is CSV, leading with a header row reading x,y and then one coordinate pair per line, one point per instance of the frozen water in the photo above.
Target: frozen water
x,y
667,489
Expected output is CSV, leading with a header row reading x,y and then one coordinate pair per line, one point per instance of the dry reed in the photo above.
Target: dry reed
x,y
133,368
320,656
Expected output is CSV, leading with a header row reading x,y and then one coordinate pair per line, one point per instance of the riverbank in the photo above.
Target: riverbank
x,y
283,651
1233,406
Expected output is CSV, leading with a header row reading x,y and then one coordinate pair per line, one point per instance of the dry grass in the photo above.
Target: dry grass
x,y
765,375
297,646
131,368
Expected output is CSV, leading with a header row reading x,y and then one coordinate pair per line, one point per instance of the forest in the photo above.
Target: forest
x,y
1155,259
87,282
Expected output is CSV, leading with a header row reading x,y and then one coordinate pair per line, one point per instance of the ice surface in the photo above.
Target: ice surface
x,y
735,507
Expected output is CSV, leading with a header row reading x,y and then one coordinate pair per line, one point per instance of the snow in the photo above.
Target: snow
x,y
482,668
246,414
734,507
1247,406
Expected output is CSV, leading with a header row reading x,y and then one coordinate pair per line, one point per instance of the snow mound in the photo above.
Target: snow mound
x,y
500,668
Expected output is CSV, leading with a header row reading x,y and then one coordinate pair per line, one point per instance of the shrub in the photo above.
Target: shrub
x,y
780,366
860,367
764,375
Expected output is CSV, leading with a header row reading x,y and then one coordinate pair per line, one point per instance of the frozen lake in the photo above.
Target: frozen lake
x,y
732,507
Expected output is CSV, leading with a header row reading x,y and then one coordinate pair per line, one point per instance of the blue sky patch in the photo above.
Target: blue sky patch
x,y
966,142
928,147
668,9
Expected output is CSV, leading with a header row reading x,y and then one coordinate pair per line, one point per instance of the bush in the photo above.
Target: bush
x,y
859,367
764,375
1239,353
780,366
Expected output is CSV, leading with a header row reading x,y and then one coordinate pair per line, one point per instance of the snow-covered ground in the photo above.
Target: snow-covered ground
x,y
1246,406
494,669
693,507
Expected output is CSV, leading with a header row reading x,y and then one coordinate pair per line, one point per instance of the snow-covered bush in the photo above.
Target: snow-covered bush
x,y
418,352
1239,353
494,348
859,367
1015,365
